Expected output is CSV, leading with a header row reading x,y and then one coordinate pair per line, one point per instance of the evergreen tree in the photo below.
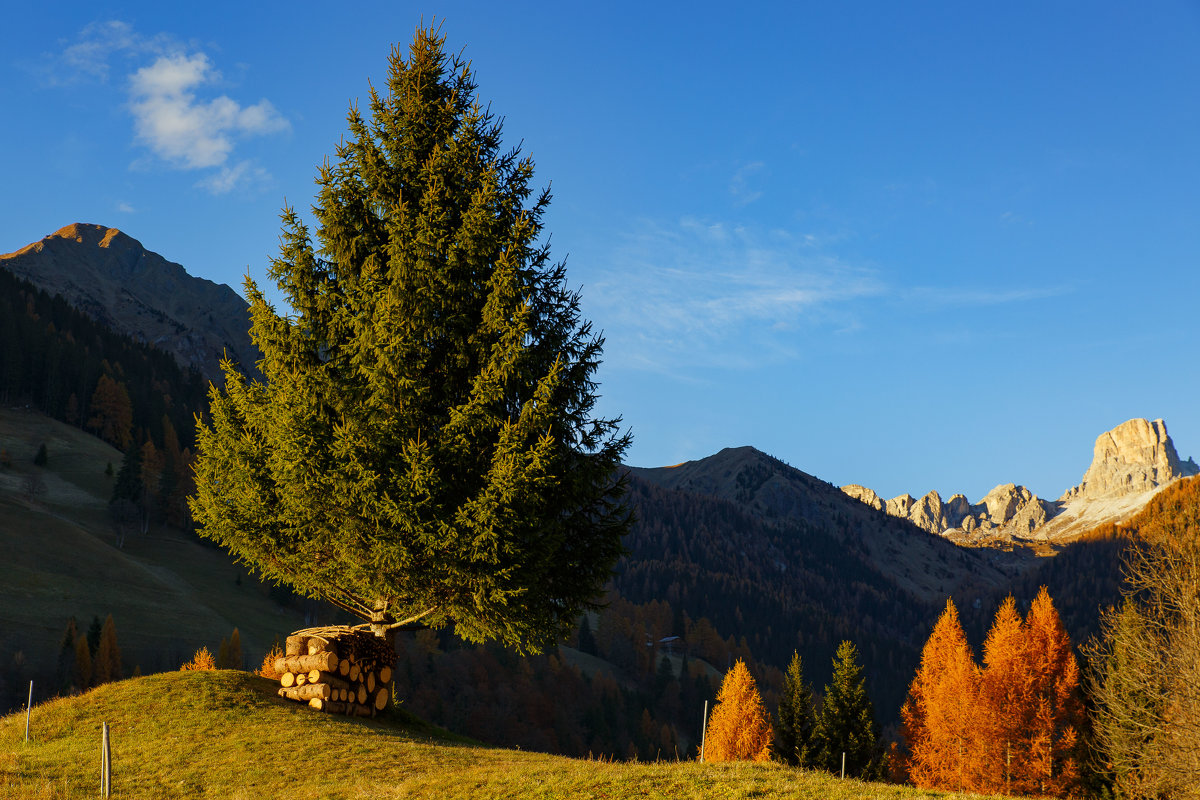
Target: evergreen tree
x,y
40,459
738,728
106,667
66,656
95,630
847,721
128,485
587,642
797,718
422,450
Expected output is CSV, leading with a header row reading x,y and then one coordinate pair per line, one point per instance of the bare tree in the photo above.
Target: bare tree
x,y
1146,673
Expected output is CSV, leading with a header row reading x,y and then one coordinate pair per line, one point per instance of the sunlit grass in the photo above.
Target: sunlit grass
x,y
224,734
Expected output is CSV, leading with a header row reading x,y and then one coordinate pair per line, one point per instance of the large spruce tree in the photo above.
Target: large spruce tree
x,y
422,449
846,728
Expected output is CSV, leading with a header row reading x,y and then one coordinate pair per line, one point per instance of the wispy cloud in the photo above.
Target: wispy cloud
x,y
739,184
702,293
170,92
125,208
935,298
706,293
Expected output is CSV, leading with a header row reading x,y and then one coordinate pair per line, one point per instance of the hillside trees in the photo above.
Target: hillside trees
x,y
1013,726
1146,670
738,728
423,449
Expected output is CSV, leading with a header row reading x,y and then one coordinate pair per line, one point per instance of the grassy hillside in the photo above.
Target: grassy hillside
x,y
224,734
167,593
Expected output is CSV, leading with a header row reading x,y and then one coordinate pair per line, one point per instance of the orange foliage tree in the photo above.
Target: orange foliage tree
x,y
738,729
938,717
1012,727
1054,744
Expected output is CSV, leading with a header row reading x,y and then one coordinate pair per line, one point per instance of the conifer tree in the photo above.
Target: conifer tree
x,y
229,654
738,728
422,450
797,717
1006,706
81,675
106,667
938,719
1054,743
66,656
846,724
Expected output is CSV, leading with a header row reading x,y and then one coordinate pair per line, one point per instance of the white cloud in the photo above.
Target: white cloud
x,y
228,178
170,97
125,208
183,130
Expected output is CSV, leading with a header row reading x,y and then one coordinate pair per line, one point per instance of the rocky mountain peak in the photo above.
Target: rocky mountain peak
x,y
1134,457
111,277
1129,464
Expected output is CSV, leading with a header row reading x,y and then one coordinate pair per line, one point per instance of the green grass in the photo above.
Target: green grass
x,y
225,735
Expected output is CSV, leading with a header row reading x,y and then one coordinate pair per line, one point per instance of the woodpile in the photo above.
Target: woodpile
x,y
337,670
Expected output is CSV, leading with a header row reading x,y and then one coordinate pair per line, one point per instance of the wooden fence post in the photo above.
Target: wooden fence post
x,y
105,762
28,708
703,731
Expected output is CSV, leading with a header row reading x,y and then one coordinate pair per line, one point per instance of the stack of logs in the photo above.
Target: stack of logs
x,y
337,670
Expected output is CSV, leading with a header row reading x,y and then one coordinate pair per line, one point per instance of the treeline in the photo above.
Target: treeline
x,y
72,368
784,587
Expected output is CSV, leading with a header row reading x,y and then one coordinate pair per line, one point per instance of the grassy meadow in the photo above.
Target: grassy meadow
x,y
224,734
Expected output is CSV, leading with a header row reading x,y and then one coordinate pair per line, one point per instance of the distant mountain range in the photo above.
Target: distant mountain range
x,y
114,279
1130,464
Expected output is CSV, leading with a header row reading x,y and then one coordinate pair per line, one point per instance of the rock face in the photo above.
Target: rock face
x,y
111,277
1134,457
1129,465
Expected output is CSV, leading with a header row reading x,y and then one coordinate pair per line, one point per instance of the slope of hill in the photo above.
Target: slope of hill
x,y
167,592
225,735
924,565
113,278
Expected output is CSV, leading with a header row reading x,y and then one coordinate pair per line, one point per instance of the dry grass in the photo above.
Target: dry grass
x,y
223,734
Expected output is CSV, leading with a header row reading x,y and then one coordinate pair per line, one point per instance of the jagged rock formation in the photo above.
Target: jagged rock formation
x,y
1129,465
1134,457
111,277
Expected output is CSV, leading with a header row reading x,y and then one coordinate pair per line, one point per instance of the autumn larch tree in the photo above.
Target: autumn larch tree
x,y
846,725
796,721
1055,747
1006,704
738,728
106,667
422,449
938,720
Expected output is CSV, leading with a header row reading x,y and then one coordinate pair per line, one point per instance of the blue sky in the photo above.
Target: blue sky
x,y
914,246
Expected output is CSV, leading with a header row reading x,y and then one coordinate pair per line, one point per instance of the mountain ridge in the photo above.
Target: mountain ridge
x,y
113,278
1130,464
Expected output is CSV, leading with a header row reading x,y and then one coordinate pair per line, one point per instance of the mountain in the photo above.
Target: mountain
x,y
111,277
1130,464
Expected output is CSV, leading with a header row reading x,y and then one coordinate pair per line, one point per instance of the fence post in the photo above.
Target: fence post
x,y
703,731
28,708
843,765
105,762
